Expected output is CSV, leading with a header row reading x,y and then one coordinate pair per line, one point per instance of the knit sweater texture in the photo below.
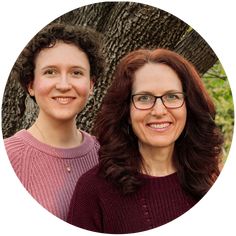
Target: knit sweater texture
x,y
42,168
98,206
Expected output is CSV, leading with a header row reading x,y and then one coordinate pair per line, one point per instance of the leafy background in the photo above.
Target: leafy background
x,y
218,86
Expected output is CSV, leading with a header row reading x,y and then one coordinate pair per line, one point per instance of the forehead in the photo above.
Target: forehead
x,y
156,78
62,53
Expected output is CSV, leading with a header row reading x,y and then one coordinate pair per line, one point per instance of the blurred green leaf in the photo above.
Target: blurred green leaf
x,y
218,87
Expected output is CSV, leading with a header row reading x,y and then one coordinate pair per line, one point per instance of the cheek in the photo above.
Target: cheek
x,y
136,119
132,116
83,89
41,88
181,117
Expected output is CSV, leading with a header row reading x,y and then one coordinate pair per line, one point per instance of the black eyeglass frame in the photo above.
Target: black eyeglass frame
x,y
156,97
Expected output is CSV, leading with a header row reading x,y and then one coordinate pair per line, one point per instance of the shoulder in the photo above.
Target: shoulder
x,y
91,182
15,147
90,141
88,136
16,136
15,144
92,189
91,176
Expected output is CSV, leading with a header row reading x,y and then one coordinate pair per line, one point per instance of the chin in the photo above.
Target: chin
x,y
64,117
161,143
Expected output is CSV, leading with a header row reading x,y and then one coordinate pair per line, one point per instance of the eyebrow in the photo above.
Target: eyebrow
x,y
55,66
151,93
79,67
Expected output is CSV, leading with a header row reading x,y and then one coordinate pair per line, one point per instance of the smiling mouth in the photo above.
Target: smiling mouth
x,y
63,100
159,126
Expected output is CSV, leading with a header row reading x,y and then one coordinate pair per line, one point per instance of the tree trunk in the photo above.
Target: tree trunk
x,y
195,48
126,26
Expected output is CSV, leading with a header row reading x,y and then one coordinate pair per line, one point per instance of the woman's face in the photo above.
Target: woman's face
x,y
159,126
62,82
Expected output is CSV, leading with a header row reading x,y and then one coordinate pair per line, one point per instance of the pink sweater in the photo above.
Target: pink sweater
x,y
42,169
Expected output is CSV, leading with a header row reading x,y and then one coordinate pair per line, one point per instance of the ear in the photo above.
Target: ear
x,y
31,88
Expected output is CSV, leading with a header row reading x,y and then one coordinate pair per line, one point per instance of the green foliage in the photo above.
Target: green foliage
x,y
218,86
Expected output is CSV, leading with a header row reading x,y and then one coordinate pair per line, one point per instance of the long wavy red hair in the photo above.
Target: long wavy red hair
x,y
198,149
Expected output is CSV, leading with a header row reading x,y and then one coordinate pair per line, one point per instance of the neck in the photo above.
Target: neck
x,y
58,134
158,161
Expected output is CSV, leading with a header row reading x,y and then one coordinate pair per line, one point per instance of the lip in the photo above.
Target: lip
x,y
63,100
159,126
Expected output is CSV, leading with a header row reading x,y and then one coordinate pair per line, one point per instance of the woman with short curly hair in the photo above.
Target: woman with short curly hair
x,y
57,69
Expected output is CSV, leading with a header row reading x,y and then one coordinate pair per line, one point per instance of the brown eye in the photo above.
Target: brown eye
x,y
50,72
77,73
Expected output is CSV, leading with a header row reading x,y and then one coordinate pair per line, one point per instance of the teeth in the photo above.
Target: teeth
x,y
63,100
159,126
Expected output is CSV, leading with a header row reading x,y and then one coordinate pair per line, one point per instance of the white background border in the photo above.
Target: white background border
x,y
20,21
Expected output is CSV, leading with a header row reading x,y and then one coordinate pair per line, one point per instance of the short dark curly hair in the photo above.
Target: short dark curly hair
x,y
85,38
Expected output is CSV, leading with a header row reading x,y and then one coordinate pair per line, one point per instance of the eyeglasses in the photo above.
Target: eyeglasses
x,y
147,101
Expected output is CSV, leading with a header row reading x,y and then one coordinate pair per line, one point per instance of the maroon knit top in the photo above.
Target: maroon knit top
x,y
98,206
42,168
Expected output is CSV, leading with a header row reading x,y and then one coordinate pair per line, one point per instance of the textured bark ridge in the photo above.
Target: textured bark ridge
x,y
125,26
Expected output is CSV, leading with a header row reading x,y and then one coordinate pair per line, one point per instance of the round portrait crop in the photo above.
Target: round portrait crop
x,y
114,120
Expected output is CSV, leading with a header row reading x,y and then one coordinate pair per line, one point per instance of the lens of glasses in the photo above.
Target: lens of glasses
x,y
143,101
173,100
147,101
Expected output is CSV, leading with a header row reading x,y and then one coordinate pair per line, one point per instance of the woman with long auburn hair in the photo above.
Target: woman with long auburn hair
x,y
160,147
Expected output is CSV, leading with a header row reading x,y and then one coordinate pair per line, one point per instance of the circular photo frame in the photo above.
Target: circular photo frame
x,y
125,27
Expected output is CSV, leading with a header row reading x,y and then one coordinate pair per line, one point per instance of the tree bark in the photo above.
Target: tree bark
x,y
195,48
125,26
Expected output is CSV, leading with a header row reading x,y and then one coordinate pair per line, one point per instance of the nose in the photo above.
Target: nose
x,y
63,83
158,108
